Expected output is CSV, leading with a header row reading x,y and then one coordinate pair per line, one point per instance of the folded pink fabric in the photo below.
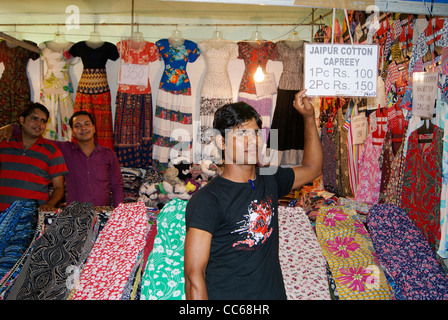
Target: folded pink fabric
x,y
114,254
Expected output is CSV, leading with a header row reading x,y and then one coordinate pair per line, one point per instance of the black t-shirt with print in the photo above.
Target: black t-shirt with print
x,y
243,221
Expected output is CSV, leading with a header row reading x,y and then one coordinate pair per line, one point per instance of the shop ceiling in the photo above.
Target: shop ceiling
x,y
217,8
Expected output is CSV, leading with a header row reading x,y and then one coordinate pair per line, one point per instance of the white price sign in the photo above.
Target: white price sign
x,y
133,74
340,70
267,87
424,93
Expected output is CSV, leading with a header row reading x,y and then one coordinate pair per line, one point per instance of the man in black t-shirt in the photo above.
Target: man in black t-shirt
x,y
231,245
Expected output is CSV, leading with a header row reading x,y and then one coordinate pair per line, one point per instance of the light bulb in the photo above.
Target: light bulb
x,y
259,75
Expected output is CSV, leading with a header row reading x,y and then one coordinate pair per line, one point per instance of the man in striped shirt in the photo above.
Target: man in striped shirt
x,y
29,163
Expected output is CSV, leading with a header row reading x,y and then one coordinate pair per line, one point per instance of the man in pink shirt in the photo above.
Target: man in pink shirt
x,y
94,173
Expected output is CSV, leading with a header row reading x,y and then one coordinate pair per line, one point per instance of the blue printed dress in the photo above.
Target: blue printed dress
x,y
173,121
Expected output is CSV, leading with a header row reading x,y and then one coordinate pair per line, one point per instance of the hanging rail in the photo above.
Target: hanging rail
x,y
162,24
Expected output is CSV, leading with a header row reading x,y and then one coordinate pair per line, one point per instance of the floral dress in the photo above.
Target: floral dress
x,y
422,184
15,91
133,139
369,168
173,121
56,90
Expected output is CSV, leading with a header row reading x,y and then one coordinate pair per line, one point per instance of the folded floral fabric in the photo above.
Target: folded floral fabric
x,y
27,210
406,255
17,225
301,259
62,248
163,278
114,255
349,252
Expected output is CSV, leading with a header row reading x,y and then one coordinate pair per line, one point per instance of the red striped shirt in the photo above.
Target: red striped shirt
x,y
26,174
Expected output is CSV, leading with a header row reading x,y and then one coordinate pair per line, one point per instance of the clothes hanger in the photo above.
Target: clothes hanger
x,y
137,36
217,40
176,38
426,128
256,36
217,35
95,40
137,40
13,42
294,41
59,37
294,36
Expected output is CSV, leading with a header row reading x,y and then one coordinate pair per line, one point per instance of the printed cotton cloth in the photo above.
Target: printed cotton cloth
x,y
114,254
163,278
17,224
406,255
21,224
61,249
349,252
301,259
423,173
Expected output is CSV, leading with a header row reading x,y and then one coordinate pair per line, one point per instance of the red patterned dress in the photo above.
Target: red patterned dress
x,y
133,113
422,184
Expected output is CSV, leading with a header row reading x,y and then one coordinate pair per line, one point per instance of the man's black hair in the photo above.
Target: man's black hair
x,y
233,115
80,113
35,105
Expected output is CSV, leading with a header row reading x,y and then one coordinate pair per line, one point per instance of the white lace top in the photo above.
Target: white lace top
x,y
216,83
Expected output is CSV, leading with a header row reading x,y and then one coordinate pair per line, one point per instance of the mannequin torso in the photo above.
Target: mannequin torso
x,y
94,41
176,39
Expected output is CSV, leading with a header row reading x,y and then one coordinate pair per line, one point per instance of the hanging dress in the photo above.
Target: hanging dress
x,y
340,138
354,150
369,168
286,120
93,92
15,90
442,122
56,90
393,144
422,183
329,153
252,53
133,113
173,121
216,91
